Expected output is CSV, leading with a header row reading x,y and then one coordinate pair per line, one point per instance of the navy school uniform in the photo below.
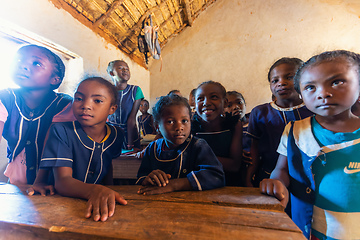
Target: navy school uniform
x,y
26,128
127,97
146,124
69,146
193,160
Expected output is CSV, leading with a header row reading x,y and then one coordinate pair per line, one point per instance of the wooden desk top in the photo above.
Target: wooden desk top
x,y
226,213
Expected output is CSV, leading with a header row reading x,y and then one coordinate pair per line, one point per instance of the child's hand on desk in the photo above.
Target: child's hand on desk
x,y
276,188
153,190
101,203
40,188
157,177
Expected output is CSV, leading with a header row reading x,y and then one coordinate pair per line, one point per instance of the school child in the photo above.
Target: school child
x,y
80,152
319,155
222,132
145,121
237,107
267,121
178,161
175,91
192,102
27,112
130,97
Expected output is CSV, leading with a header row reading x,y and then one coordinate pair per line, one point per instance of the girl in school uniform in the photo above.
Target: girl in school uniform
x,y
80,153
267,121
27,112
178,161
223,132
145,121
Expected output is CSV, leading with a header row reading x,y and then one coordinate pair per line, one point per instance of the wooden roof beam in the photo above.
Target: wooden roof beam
x,y
188,12
141,19
111,9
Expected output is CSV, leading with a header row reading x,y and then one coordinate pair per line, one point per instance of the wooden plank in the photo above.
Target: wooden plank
x,y
125,167
59,217
111,9
188,12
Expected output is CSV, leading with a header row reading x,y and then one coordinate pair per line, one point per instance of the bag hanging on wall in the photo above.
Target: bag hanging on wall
x,y
148,41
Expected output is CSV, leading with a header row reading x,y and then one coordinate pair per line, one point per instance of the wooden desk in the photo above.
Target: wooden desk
x,y
126,167
226,213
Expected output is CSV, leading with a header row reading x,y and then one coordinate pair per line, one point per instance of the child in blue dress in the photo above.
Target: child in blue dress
x,y
129,99
222,132
27,112
145,120
178,161
80,153
267,121
319,156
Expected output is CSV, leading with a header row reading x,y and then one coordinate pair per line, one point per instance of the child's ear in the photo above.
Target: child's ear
x,y
113,109
55,80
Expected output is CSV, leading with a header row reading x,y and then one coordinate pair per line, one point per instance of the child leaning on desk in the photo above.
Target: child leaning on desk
x,y
319,155
178,161
80,153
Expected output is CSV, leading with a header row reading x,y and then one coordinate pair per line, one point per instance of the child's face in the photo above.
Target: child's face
x,y
330,88
282,82
144,107
92,104
120,72
33,69
236,106
191,100
210,102
175,125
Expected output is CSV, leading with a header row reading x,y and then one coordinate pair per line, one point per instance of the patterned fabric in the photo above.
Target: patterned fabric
x,y
25,128
324,177
69,146
194,160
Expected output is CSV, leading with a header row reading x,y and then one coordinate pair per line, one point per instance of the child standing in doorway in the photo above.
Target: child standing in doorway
x,y
319,155
178,161
145,121
80,153
27,112
222,132
267,121
130,97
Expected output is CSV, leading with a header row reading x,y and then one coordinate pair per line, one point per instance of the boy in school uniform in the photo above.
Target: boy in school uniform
x,y
130,97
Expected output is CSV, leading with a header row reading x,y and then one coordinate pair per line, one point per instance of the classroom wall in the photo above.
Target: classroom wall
x,y
43,18
236,41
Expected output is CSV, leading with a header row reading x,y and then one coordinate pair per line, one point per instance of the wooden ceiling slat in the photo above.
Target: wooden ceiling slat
x,y
111,9
188,12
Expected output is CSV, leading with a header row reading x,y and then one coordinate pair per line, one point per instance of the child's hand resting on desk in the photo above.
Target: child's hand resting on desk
x,y
41,188
276,188
157,177
101,203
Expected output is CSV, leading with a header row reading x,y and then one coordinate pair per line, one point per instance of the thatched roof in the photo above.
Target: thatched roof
x,y
120,21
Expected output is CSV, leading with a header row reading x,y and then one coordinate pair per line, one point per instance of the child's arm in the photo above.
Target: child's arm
x,y
40,184
233,163
101,200
131,123
255,160
179,184
278,182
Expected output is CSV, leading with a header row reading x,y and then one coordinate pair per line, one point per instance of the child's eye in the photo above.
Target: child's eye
x,y
309,88
214,97
185,120
170,121
199,99
337,83
38,64
274,81
77,99
98,101
290,77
